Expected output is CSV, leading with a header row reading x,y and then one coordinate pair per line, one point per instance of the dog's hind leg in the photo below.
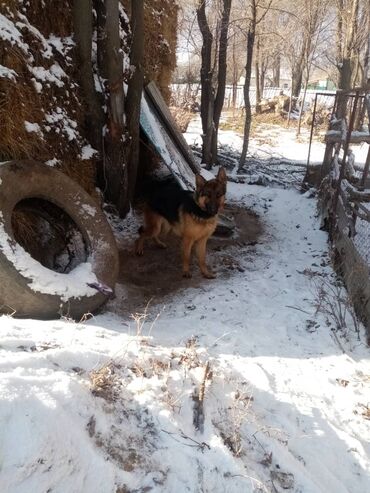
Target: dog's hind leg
x,y
200,249
152,228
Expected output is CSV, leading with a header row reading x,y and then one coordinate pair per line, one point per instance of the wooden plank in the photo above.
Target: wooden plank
x,y
356,275
364,214
367,105
366,168
169,152
354,194
169,122
356,137
364,217
344,221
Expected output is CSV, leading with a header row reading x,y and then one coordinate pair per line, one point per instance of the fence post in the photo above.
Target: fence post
x,y
345,150
311,134
366,168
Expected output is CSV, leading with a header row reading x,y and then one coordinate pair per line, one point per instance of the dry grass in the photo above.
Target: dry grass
x,y
15,141
31,106
25,229
55,16
160,17
104,382
43,14
236,122
182,117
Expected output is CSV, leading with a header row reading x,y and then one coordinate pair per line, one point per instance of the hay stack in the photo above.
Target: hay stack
x,y
41,104
160,18
41,108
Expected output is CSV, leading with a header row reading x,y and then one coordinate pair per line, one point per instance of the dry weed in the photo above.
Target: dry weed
x,y
334,302
233,418
189,358
182,117
105,382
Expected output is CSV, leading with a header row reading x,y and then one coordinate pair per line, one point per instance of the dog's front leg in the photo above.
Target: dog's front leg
x,y
187,244
201,254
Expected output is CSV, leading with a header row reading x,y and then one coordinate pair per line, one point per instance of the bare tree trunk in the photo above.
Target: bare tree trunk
x,y
83,23
346,43
297,72
221,76
248,73
134,93
276,72
290,106
115,169
346,33
366,73
207,92
99,7
257,77
235,78
262,76
302,105
344,81
366,79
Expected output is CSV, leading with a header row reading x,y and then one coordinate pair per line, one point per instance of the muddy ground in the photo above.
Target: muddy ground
x,y
158,274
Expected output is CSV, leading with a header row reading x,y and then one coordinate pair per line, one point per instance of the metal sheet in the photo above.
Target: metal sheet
x,y
171,156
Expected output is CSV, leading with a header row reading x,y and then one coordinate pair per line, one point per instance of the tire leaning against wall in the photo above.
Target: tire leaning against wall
x,y
21,180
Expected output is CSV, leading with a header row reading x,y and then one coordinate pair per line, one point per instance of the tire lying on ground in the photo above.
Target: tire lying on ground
x,y
27,288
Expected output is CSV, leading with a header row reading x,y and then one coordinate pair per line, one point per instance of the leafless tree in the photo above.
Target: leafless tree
x,y
212,95
256,15
352,41
314,24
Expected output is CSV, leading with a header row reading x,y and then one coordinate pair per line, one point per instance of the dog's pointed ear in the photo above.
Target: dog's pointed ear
x,y
221,176
199,181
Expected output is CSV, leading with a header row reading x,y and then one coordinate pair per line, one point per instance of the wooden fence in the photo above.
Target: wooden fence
x,y
345,195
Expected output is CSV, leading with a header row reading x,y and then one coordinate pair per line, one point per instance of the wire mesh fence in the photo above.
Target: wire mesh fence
x,y
362,238
234,95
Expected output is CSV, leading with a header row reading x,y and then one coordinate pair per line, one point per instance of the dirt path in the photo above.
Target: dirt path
x,y
158,273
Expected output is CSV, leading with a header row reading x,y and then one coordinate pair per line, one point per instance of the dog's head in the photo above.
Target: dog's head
x,y
211,194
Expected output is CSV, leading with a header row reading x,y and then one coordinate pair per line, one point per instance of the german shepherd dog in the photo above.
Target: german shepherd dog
x,y
189,215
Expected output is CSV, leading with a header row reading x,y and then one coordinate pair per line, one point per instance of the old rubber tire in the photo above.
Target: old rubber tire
x,y
21,180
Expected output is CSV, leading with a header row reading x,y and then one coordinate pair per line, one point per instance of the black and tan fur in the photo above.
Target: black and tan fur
x,y
190,215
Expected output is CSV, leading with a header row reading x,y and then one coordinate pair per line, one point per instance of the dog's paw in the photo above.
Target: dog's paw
x,y
139,251
139,248
209,275
186,274
161,245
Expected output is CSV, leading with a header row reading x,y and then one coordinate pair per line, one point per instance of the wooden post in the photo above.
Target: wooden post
x,y
345,150
311,133
134,94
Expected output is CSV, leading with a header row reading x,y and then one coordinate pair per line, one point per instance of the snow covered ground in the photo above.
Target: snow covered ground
x,y
274,141
243,384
